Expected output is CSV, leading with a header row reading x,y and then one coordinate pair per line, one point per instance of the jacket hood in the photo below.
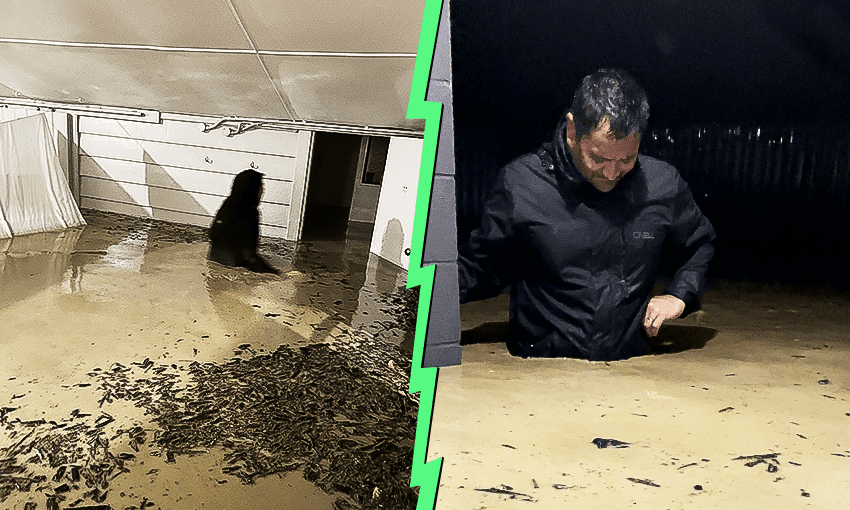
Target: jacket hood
x,y
556,156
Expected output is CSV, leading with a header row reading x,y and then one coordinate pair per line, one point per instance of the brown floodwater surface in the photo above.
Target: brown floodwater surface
x,y
135,373
745,405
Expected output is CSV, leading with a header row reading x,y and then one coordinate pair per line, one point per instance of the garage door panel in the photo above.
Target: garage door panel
x,y
140,194
164,170
282,143
186,156
113,191
274,214
182,179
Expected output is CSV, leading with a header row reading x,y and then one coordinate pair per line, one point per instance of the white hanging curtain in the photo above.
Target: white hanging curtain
x,y
34,192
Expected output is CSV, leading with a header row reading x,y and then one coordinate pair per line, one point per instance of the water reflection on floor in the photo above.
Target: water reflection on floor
x,y
136,297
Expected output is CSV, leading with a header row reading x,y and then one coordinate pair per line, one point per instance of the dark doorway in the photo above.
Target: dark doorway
x,y
333,170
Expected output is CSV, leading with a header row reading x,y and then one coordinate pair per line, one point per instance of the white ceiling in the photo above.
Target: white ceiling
x,y
342,61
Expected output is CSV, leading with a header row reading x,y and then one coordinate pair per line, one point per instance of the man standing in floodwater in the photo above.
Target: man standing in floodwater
x,y
578,229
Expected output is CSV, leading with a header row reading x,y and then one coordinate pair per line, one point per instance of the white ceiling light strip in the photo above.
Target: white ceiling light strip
x,y
144,47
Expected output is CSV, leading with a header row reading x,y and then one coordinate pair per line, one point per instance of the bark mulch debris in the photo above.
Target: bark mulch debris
x,y
338,412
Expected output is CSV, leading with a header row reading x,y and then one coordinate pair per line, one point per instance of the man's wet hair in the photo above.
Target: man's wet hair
x,y
611,94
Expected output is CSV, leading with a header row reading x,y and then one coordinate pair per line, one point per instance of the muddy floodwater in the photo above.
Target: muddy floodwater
x,y
136,374
745,405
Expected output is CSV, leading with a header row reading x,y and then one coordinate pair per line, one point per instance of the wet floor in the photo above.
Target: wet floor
x,y
135,374
744,405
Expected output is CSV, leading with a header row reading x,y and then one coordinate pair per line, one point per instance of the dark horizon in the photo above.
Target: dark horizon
x,y
756,62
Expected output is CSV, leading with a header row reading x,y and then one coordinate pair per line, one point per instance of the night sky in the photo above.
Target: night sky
x,y
515,64
771,67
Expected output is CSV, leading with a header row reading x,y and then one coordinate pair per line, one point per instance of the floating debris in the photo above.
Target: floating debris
x,y
612,443
508,491
103,420
725,409
561,486
341,414
767,458
157,231
643,481
762,456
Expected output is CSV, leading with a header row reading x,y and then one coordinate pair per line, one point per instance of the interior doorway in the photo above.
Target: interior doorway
x,y
346,172
333,168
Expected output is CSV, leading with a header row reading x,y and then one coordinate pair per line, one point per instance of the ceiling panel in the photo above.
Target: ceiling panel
x,y
383,26
213,84
184,23
192,56
365,91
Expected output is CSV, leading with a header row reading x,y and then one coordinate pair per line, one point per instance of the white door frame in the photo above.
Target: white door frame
x,y
364,200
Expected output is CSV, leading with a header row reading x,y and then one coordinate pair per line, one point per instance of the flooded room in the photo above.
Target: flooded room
x,y
742,402
206,222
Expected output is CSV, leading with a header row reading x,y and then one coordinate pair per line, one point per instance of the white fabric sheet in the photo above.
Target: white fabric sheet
x,y
34,193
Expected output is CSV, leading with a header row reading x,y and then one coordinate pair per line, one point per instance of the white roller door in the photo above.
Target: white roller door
x,y
173,171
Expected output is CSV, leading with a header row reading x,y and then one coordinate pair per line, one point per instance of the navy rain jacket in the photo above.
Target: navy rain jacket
x,y
581,264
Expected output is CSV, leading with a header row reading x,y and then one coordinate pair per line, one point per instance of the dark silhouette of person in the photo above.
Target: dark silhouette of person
x,y
235,231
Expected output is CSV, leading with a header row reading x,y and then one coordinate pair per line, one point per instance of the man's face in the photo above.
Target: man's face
x,y
602,159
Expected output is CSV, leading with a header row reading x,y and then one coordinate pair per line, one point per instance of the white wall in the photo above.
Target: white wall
x,y
393,234
175,172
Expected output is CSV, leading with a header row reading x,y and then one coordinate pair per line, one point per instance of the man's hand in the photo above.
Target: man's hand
x,y
660,309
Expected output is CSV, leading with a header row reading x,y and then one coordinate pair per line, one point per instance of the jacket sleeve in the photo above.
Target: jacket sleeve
x,y
485,260
692,239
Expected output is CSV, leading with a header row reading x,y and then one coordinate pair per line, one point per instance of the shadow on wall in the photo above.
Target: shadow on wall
x,y
165,194
392,242
62,146
166,199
